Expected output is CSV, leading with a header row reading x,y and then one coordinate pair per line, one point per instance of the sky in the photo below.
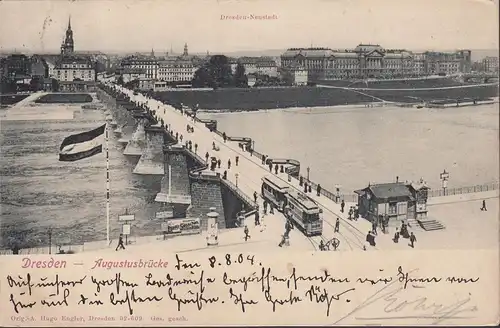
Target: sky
x,y
128,26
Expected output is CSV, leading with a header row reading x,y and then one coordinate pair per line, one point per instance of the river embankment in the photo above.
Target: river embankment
x,y
252,99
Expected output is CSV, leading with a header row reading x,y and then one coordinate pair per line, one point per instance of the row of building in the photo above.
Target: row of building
x,y
302,65
364,61
373,61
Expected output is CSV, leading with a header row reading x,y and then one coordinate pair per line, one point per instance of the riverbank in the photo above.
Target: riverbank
x,y
253,99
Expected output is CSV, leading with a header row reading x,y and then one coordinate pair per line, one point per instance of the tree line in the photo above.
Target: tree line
x,y
217,73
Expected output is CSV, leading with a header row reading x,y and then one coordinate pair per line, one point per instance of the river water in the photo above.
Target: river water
x,y
39,192
346,146
354,146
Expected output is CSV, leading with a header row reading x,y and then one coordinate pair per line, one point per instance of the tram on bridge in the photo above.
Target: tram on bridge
x,y
274,191
303,211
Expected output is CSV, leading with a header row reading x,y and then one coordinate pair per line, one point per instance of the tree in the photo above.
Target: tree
x,y
220,70
240,80
202,78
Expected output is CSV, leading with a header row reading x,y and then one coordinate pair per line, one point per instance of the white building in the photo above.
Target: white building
x,y
178,68
73,68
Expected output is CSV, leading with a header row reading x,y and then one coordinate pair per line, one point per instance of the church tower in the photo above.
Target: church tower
x,y
185,50
68,45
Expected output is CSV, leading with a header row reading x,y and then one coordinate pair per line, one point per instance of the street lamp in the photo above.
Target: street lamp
x,y
236,175
308,170
444,179
337,189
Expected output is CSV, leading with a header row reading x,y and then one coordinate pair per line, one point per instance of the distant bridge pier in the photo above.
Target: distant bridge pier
x,y
152,158
138,141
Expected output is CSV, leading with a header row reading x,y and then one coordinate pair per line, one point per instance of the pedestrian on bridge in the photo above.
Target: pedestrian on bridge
x,y
257,218
120,243
224,175
177,136
263,159
276,168
247,235
309,188
265,207
207,155
483,208
318,190
270,166
337,225
237,160
396,236
255,197
181,138
305,187
413,239
224,136
218,163
342,205
374,227
229,164
195,148
271,208
301,181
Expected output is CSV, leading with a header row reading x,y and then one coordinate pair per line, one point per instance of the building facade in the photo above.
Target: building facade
x,y
147,63
74,68
130,74
490,64
178,68
256,65
373,61
16,65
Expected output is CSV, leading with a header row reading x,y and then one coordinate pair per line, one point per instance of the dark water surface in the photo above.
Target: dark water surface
x,y
38,192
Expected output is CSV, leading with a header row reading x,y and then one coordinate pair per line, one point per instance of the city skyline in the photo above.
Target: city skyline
x,y
447,25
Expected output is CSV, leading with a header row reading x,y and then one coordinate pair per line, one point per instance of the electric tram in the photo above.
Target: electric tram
x,y
297,207
304,212
274,191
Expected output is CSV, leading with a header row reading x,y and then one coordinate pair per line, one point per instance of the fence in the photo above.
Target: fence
x,y
464,190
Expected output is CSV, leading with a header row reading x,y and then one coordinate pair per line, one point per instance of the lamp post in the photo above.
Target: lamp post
x,y
337,189
236,175
444,180
308,170
50,240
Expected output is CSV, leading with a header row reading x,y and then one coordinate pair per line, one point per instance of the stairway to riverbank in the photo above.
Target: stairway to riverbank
x,y
431,225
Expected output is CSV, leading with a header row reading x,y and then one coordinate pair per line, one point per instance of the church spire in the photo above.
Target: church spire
x,y
185,49
69,23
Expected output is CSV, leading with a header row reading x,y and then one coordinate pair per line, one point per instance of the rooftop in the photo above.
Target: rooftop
x,y
388,190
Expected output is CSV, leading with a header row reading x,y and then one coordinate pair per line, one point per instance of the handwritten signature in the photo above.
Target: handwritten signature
x,y
390,299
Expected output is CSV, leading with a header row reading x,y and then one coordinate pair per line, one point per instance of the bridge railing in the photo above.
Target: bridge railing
x,y
252,206
464,190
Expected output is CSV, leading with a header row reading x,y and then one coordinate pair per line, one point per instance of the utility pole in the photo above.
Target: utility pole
x,y
50,240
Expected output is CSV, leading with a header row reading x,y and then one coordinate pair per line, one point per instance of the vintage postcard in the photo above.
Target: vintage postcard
x,y
249,162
